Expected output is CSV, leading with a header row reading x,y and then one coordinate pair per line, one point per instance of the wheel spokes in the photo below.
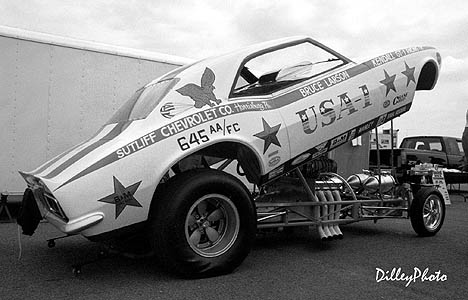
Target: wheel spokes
x,y
426,214
212,234
431,213
191,220
202,208
428,220
195,237
215,215
212,225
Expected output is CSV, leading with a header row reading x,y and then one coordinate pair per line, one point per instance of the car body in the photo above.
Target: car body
x,y
271,106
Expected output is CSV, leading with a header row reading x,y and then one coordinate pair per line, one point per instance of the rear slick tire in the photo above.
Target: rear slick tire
x,y
427,211
203,224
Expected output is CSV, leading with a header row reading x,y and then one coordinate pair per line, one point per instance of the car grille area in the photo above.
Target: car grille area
x,y
53,206
48,201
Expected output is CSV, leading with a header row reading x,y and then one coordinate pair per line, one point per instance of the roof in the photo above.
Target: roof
x,y
50,39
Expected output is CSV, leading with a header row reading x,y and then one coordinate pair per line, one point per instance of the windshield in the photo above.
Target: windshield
x,y
143,102
277,69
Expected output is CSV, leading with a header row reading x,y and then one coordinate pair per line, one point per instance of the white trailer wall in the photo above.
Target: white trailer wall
x,y
56,92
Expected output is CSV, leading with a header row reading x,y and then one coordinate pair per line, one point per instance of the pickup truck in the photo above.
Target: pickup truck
x,y
441,150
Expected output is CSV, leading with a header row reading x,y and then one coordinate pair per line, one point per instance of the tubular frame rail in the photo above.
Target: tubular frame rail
x,y
301,211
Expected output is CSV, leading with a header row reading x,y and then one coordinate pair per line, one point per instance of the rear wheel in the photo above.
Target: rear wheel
x,y
427,211
203,223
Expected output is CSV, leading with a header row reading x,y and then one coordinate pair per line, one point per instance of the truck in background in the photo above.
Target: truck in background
x,y
58,91
444,151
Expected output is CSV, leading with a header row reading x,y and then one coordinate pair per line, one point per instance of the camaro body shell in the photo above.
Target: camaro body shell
x,y
107,182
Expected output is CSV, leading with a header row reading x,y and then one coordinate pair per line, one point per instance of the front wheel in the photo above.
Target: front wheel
x,y
203,223
427,211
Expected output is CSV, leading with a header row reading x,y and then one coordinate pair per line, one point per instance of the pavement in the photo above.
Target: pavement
x,y
280,266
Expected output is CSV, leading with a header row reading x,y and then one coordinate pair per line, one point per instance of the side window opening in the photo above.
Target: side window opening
x,y
143,101
460,147
272,71
435,146
421,146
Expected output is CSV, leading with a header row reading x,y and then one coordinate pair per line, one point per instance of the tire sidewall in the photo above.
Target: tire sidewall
x,y
173,209
417,210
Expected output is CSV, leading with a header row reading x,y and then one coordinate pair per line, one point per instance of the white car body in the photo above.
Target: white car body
x,y
107,183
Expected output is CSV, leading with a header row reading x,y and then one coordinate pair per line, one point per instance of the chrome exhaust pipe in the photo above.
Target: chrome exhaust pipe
x,y
328,230
337,197
320,229
336,230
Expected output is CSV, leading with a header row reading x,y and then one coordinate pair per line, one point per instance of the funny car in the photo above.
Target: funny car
x,y
197,159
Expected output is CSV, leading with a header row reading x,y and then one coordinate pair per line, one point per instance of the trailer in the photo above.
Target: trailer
x,y
57,91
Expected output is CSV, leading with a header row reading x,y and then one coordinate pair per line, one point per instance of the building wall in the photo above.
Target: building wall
x,y
385,141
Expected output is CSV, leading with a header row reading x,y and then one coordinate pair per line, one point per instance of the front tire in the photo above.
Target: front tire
x,y
427,211
203,223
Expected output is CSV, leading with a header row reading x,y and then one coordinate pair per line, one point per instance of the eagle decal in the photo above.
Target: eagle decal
x,y
201,95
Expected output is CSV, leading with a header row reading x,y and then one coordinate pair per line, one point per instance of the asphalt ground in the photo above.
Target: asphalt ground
x,y
280,266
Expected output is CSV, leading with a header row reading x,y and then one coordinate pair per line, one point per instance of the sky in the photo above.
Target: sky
x,y
359,29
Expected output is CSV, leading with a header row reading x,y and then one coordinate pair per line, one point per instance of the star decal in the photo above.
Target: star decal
x,y
269,135
122,196
388,82
409,73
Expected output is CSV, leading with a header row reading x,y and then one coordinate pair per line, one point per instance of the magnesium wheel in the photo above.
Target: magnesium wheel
x,y
203,223
427,211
